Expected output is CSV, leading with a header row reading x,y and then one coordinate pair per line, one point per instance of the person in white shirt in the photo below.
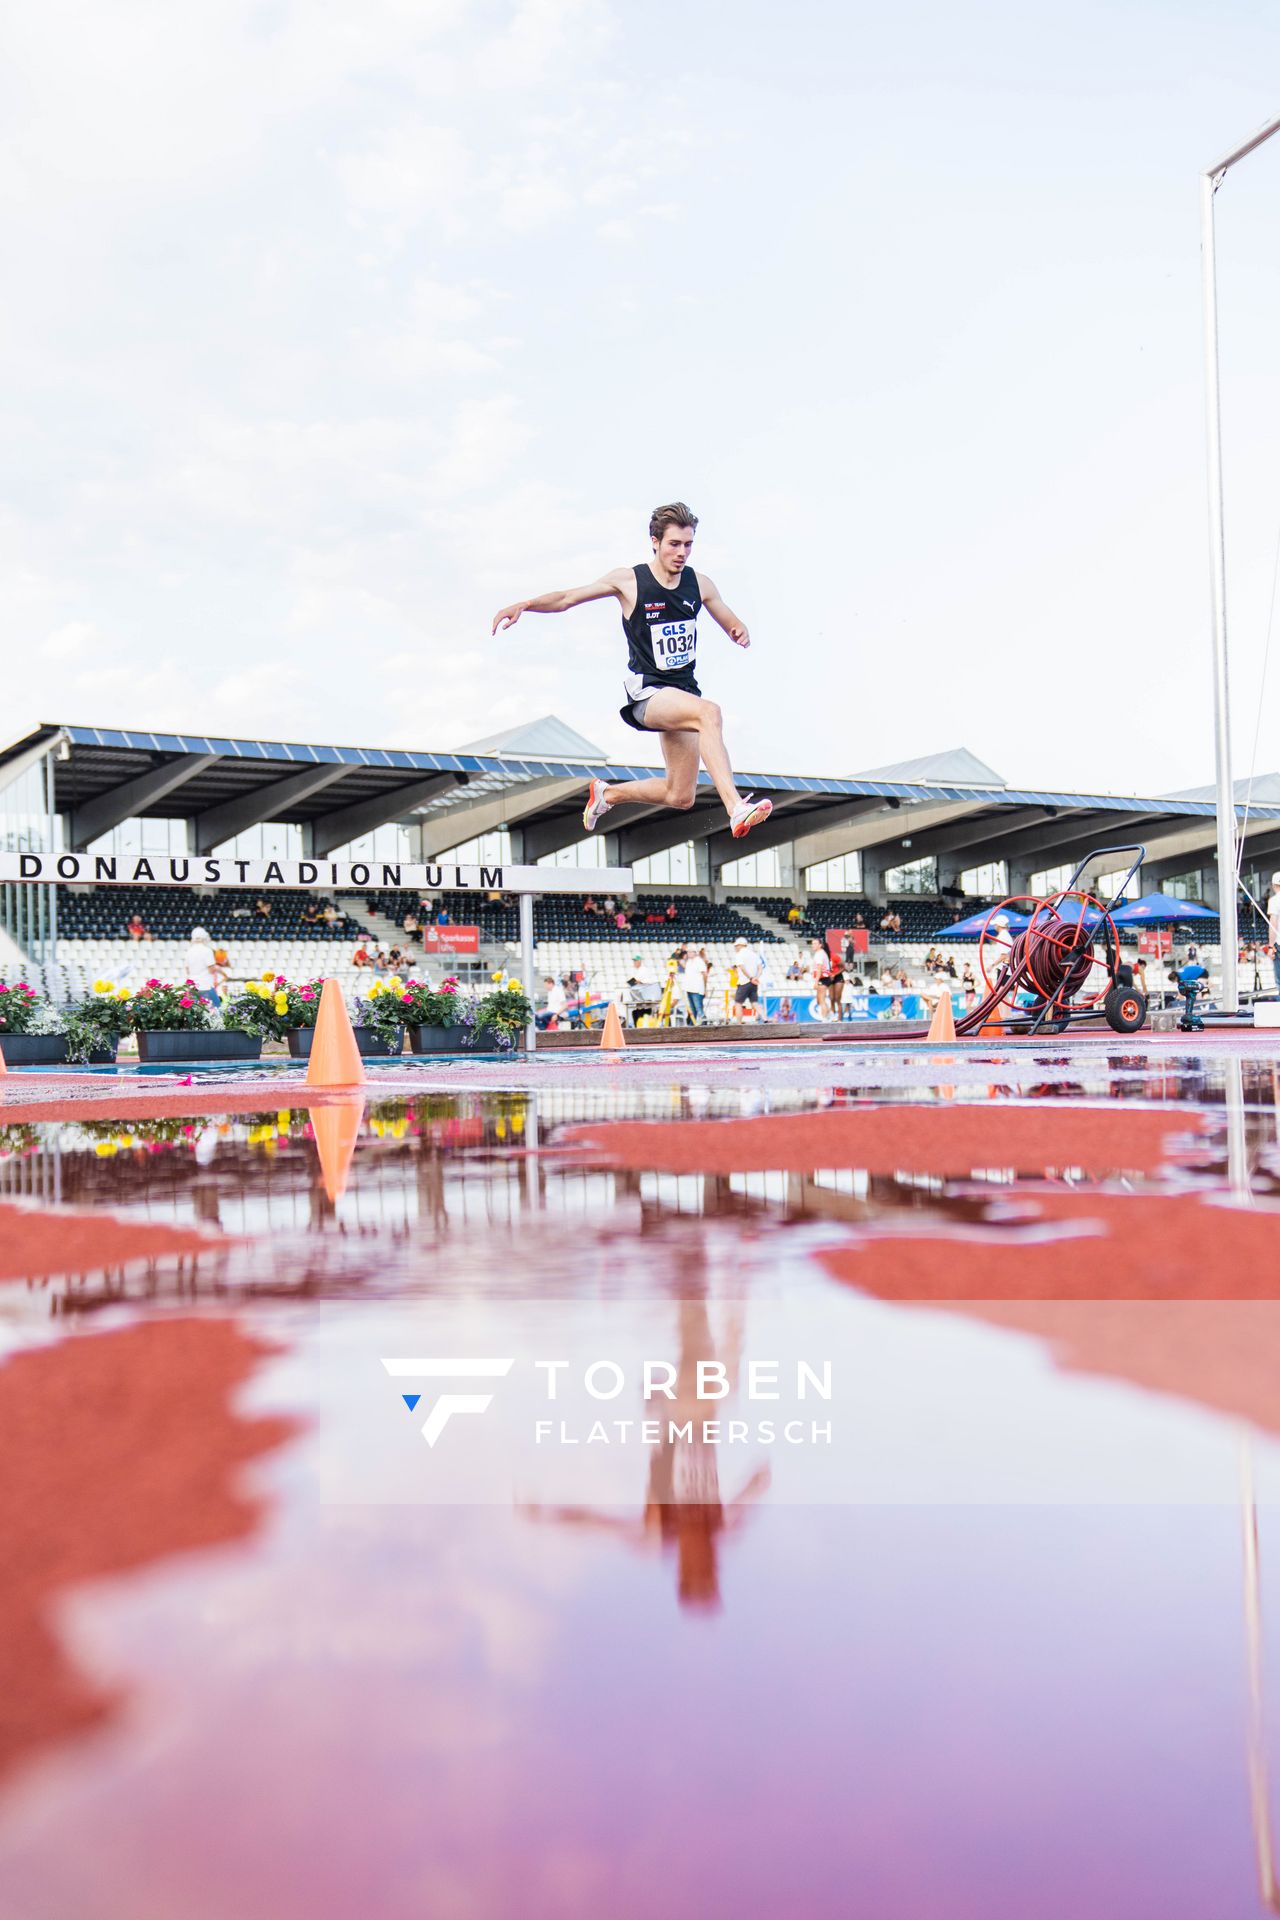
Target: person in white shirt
x,y
203,971
555,1000
819,965
749,967
694,976
642,988
1273,926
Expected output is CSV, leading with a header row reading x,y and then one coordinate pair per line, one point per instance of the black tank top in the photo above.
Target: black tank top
x,y
662,636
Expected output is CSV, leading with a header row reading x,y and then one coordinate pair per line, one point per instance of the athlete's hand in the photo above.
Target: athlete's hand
x,y
739,636
509,615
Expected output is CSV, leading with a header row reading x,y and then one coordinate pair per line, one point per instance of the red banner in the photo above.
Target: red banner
x,y
836,937
451,939
1155,940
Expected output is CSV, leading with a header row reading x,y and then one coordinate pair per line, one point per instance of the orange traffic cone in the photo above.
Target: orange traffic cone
x,y
943,1024
336,1130
335,1057
613,1036
992,1027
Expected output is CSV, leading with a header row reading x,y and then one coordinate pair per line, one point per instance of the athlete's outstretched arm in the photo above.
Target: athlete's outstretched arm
x,y
563,598
724,616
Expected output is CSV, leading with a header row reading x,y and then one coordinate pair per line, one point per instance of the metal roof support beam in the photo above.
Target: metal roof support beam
x,y
447,827
334,829
885,823
272,802
668,828
1054,842
1201,835
974,831
118,804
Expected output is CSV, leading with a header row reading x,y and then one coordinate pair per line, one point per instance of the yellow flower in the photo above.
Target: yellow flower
x,y
281,1003
497,975
122,993
270,974
104,1148
282,1119
513,986
103,986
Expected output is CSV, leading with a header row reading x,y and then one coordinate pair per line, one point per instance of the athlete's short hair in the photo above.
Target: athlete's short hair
x,y
674,515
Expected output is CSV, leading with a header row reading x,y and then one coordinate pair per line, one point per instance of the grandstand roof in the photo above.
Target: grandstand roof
x,y
104,776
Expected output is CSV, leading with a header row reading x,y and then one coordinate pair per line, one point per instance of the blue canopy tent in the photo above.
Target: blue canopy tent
x,y
965,929
1154,907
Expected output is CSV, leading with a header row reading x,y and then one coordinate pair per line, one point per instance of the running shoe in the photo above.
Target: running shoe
x,y
596,808
748,815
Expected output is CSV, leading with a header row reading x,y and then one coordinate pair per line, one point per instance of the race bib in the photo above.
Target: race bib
x,y
674,643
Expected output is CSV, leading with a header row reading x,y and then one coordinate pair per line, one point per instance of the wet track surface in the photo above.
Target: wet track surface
x,y
966,1619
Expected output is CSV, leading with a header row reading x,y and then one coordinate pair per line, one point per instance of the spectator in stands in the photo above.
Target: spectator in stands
x,y
890,922
858,920
951,967
311,914
819,963
931,960
262,906
203,971
410,926
795,971
696,969
361,957
673,911
136,929
621,922
589,904
329,913
608,906
794,915
443,916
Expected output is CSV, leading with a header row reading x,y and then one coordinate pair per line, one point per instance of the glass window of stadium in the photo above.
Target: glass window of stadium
x,y
1108,883
918,876
1190,886
842,875
672,867
1049,879
986,883
28,823
754,870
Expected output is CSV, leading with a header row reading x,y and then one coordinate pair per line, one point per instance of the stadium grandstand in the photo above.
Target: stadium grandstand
x,y
902,852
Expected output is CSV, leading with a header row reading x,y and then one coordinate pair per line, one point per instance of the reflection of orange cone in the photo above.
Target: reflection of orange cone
x,y
336,1129
943,1024
613,1036
335,1057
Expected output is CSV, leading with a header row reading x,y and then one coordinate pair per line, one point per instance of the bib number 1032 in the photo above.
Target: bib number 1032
x,y
675,644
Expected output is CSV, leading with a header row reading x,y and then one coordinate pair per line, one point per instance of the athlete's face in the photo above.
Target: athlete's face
x,y
673,549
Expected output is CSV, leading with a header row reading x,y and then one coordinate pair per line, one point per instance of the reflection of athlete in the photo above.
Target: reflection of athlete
x,y
660,606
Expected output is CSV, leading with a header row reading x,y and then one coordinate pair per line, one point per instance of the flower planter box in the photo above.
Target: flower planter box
x,y
224,1044
460,1040
46,1050
373,1044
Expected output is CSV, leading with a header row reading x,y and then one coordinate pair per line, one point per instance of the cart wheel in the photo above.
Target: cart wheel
x,y
1125,1008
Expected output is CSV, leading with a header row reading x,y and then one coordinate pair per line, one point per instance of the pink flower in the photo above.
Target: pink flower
x,y
407,998
306,996
3,988
280,980
153,983
186,1001
188,982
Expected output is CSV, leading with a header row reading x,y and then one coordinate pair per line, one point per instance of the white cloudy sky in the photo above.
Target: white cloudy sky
x,y
330,327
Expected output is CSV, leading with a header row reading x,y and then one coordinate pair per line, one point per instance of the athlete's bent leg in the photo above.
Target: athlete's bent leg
x,y
679,788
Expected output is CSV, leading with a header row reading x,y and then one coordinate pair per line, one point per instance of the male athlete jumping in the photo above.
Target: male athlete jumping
x,y
660,606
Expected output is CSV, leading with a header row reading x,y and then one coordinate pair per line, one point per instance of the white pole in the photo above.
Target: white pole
x,y
526,966
1210,180
1227,920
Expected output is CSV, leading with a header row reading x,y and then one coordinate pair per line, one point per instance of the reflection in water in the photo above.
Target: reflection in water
x,y
121,1450
684,1511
